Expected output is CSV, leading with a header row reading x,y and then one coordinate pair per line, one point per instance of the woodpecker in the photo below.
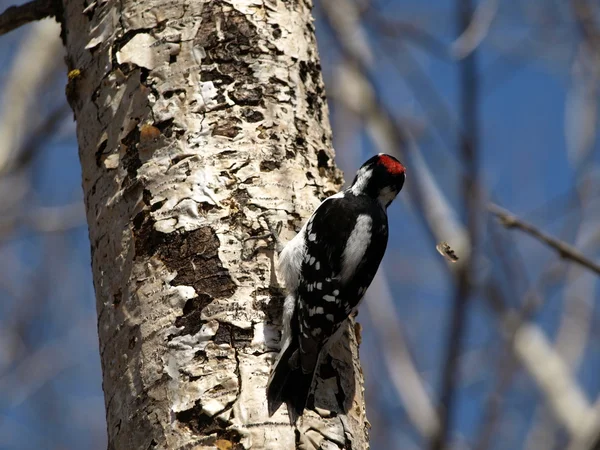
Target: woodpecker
x,y
327,268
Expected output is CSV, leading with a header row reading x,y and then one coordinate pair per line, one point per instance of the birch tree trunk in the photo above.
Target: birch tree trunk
x,y
198,122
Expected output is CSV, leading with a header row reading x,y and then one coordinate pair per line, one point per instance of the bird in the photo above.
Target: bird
x,y
327,268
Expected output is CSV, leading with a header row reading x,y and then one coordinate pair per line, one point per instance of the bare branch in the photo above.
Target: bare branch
x,y
399,362
547,368
469,100
565,251
584,15
34,63
477,30
17,16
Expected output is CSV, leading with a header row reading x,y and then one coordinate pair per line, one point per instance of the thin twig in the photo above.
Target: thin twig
x,y
16,16
469,92
477,30
584,16
565,250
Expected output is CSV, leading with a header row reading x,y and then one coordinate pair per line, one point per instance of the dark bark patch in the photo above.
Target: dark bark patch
x,y
247,97
268,166
131,159
191,319
202,424
322,159
312,100
100,153
166,127
117,298
193,255
252,115
216,77
231,43
172,92
302,128
226,36
276,31
227,128
241,197
235,336
223,335
303,71
272,308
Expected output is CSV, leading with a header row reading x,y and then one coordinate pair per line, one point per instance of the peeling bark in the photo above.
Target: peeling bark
x,y
197,122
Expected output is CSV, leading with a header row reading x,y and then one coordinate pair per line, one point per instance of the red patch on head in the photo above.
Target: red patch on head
x,y
392,165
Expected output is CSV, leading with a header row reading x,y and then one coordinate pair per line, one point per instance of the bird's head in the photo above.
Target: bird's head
x,y
381,178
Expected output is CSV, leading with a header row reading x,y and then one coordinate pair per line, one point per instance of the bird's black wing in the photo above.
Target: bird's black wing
x,y
335,278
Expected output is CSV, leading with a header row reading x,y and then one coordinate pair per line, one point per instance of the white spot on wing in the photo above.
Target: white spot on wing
x,y
329,298
357,245
315,310
329,317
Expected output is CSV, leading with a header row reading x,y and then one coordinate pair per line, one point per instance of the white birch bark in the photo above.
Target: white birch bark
x,y
197,121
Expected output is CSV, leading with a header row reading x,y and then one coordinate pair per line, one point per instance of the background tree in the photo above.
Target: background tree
x,y
497,350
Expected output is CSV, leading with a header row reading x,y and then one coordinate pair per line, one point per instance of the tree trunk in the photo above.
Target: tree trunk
x,y
200,123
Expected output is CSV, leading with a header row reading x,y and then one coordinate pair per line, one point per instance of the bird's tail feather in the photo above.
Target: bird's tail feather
x,y
289,384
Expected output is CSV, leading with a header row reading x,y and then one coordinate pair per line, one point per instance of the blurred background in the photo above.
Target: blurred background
x,y
493,107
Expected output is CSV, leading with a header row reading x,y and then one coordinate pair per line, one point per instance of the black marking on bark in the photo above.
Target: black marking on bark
x,y
312,100
273,307
100,153
131,159
132,342
165,127
322,159
340,396
227,127
171,93
252,115
303,71
117,298
302,128
202,356
216,77
297,436
203,424
247,97
241,197
268,166
144,73
193,255
223,335
276,31
191,319
236,337
227,43
301,125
